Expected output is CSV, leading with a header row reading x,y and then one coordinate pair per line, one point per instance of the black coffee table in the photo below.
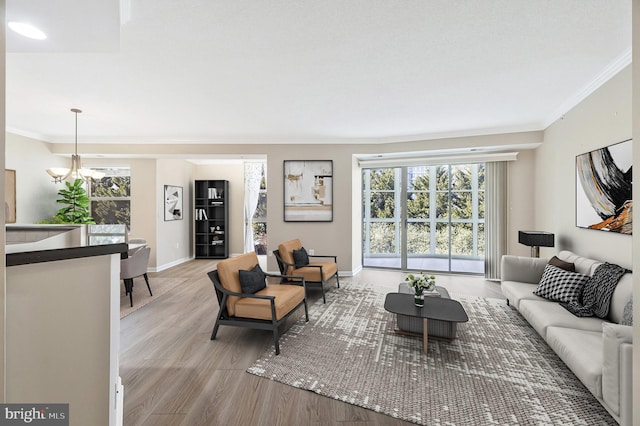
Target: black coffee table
x,y
440,309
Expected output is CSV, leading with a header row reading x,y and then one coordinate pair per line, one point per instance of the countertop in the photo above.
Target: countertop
x,y
59,247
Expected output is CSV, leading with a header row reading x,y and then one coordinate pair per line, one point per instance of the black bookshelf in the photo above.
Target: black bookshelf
x,y
211,219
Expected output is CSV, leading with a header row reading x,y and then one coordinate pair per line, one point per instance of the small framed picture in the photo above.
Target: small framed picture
x,y
172,203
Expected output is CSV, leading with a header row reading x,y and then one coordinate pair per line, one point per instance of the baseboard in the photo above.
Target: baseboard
x,y
169,265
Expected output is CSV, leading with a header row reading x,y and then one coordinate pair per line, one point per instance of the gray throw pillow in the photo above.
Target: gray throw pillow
x,y
252,281
627,315
559,285
300,257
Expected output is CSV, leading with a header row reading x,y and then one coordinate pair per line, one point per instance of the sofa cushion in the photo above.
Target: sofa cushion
x,y
253,280
583,265
613,337
285,250
522,269
560,285
567,266
516,291
543,314
311,272
287,297
230,278
581,351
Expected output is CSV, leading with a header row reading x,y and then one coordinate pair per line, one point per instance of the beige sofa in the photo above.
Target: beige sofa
x,y
598,351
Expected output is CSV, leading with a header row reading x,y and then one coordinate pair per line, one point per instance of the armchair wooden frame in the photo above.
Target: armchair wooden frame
x,y
223,317
323,284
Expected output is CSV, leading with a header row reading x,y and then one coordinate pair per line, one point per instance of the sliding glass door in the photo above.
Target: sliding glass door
x,y
424,218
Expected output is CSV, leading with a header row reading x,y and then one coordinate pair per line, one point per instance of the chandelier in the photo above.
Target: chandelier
x,y
76,171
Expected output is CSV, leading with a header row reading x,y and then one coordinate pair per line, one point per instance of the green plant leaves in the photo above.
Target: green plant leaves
x,y
74,198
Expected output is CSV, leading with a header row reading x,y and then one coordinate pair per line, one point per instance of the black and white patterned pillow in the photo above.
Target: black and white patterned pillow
x,y
560,285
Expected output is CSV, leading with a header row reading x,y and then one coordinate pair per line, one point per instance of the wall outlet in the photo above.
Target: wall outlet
x,y
312,252
177,245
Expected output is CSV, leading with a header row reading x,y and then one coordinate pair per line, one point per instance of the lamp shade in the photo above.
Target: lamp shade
x,y
536,238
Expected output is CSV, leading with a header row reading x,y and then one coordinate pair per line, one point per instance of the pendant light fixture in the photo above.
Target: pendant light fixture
x,y
76,171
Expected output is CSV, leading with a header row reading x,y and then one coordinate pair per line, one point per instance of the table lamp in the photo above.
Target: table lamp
x,y
535,239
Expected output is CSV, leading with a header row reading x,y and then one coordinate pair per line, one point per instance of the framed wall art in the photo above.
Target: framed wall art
x,y
172,202
308,191
603,189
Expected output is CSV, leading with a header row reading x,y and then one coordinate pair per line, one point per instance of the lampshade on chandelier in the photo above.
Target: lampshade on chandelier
x,y
76,171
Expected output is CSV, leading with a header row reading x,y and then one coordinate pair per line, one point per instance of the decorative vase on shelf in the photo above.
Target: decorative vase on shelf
x,y
418,298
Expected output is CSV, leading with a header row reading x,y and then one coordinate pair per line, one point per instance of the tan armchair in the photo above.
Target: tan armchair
x,y
265,309
316,274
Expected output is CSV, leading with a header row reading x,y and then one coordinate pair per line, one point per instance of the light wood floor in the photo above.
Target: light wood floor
x,y
173,374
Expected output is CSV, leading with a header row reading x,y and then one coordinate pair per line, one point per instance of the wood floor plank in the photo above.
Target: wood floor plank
x,y
174,374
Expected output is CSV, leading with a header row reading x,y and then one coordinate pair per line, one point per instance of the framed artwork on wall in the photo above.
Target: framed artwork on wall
x,y
603,189
172,202
308,191
9,196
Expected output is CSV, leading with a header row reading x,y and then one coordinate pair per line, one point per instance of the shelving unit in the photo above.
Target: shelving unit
x,y
211,219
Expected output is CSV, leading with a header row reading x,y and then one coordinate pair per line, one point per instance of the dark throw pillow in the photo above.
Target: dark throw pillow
x,y
627,315
253,280
567,266
300,257
560,285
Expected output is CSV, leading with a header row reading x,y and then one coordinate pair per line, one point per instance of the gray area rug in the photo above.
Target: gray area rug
x,y
498,370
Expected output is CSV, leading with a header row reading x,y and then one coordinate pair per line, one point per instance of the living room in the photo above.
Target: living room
x,y
540,190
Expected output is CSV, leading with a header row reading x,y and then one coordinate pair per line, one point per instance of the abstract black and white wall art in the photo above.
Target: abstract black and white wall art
x,y
308,191
172,202
603,189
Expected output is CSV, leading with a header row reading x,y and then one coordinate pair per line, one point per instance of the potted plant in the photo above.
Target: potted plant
x,y
76,205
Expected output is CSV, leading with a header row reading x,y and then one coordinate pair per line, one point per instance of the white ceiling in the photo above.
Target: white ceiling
x,y
306,71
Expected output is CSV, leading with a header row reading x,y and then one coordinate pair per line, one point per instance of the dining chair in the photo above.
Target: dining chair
x,y
135,266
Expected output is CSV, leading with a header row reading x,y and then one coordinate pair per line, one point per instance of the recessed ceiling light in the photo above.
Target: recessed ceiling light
x,y
27,30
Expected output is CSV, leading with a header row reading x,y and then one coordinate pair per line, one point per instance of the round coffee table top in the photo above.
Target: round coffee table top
x,y
438,308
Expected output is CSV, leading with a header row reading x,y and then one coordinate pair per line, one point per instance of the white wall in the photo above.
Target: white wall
x,y
36,193
604,118
144,220
173,238
520,188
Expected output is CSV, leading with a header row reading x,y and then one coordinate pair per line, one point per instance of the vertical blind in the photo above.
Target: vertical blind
x,y
495,227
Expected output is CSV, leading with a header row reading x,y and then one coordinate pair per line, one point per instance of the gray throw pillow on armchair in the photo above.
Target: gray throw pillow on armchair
x,y
252,281
300,257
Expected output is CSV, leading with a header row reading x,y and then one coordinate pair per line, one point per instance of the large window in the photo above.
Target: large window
x,y
424,218
111,197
